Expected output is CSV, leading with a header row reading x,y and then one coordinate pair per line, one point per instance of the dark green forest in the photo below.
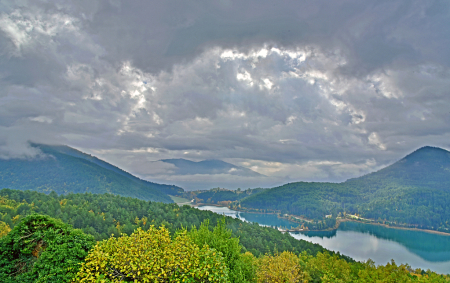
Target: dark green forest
x,y
105,215
65,170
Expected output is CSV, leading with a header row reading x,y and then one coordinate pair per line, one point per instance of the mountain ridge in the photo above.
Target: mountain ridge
x,y
67,170
414,191
408,170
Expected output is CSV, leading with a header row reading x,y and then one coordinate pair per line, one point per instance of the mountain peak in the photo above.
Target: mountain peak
x,y
428,154
429,148
425,167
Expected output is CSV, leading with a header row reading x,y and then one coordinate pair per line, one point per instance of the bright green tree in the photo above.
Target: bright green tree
x,y
151,256
240,266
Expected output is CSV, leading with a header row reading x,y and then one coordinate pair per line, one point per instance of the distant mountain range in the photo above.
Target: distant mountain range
x,y
210,167
66,170
413,191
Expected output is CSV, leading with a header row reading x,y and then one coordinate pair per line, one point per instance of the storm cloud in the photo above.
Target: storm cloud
x,y
294,90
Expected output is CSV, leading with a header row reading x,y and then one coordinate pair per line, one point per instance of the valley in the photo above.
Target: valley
x,y
380,216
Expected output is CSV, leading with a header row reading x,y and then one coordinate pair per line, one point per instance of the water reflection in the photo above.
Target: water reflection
x,y
220,210
363,241
362,246
271,220
431,247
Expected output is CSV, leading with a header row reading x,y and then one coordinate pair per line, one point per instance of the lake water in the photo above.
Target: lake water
x,y
260,218
363,241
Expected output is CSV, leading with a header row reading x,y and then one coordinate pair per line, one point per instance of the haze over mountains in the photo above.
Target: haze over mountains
x,y
205,174
212,166
66,170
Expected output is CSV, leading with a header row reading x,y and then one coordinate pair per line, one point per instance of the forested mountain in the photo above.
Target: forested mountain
x,y
414,191
66,170
212,166
427,167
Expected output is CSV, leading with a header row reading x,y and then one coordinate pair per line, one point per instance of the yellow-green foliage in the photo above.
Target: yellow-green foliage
x,y
284,267
391,272
151,256
5,202
4,229
330,268
287,267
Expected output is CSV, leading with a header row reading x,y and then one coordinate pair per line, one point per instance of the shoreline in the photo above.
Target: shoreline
x,y
338,221
395,227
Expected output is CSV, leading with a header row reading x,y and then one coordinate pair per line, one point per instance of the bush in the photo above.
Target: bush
x,y
42,249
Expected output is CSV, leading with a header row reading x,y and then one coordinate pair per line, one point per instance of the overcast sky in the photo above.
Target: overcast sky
x,y
296,90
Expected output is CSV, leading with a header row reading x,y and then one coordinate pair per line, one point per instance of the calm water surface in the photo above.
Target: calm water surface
x,y
260,218
364,241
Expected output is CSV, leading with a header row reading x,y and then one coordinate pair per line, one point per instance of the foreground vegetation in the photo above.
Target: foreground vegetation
x,y
43,249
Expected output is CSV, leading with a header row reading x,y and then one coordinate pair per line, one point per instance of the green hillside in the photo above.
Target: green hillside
x,y
105,215
414,192
65,170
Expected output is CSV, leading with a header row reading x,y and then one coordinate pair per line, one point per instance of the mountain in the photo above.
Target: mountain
x,y
66,170
427,167
414,191
209,167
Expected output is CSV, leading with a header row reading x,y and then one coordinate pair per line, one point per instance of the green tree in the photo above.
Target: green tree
x,y
151,256
220,238
284,267
42,249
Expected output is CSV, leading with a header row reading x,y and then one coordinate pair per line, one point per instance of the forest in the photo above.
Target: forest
x,y
413,192
107,238
104,215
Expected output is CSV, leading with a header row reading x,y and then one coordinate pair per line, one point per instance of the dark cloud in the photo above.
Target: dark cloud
x,y
294,90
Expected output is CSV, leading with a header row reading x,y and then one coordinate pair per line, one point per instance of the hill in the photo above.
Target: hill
x,y
66,170
212,166
413,192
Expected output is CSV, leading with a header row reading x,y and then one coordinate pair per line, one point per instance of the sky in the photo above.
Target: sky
x,y
294,90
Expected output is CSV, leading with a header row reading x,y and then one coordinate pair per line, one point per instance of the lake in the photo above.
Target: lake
x,y
363,241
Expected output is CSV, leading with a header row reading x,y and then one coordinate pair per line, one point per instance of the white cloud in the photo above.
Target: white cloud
x,y
375,140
